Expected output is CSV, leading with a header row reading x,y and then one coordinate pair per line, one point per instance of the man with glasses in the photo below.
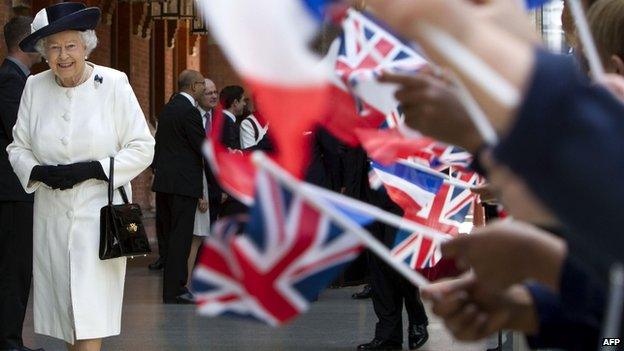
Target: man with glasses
x,y
178,171
206,106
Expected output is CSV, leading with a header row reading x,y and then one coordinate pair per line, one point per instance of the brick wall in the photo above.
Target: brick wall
x,y
194,58
215,66
102,53
170,78
139,79
5,13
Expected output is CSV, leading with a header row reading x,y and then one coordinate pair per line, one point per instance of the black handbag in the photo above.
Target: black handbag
x,y
121,229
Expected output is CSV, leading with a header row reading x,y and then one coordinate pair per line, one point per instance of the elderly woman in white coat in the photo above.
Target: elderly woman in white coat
x,y
71,119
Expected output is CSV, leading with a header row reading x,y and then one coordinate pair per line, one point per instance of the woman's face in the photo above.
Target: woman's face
x,y
66,53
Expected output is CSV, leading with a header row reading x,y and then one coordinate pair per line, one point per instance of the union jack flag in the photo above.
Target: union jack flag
x,y
445,213
365,49
440,156
286,254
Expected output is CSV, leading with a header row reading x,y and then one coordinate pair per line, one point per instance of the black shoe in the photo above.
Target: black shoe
x,y
366,293
184,299
417,336
379,344
157,265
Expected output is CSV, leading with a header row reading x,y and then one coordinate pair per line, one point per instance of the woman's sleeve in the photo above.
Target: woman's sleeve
x,y
20,151
567,143
247,138
136,144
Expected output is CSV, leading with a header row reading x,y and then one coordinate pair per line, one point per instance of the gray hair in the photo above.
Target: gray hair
x,y
88,38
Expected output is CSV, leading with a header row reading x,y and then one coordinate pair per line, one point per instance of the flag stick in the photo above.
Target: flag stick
x,y
589,46
476,114
471,65
613,312
369,241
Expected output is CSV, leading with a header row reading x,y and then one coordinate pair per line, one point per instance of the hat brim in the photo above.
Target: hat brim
x,y
84,19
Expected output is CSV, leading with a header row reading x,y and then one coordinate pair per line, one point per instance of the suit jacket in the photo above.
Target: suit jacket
x,y
230,136
178,161
12,81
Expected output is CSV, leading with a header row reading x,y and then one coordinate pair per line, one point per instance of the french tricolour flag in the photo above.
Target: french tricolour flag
x,y
267,44
410,188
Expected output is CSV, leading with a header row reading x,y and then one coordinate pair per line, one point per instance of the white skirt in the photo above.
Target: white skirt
x,y
202,220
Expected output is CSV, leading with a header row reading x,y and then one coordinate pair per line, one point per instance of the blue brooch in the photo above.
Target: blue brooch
x,y
98,80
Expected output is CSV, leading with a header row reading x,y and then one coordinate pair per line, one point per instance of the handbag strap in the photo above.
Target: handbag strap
x,y
111,182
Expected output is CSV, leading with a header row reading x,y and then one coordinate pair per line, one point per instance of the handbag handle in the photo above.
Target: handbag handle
x,y
111,181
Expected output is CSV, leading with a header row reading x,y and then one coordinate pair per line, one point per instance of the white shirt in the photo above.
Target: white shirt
x,y
188,96
247,134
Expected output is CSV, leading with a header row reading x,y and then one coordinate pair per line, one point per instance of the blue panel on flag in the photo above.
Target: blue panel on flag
x,y
426,181
309,287
255,226
333,233
402,55
201,285
353,214
531,4
460,216
368,33
317,7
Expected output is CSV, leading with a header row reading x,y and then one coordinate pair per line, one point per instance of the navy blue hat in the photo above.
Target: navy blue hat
x,y
58,18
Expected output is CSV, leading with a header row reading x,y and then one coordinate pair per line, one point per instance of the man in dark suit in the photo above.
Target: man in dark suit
x,y
178,170
16,207
232,99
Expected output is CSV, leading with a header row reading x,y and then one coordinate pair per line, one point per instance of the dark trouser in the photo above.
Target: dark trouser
x,y
177,214
232,207
161,222
16,256
214,205
390,289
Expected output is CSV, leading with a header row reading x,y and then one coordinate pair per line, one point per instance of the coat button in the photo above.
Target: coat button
x,y
69,93
66,116
70,214
64,141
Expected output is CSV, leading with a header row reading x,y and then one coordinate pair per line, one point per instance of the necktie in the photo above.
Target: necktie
x,y
208,123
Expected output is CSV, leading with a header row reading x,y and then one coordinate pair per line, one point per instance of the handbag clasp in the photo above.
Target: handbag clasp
x,y
132,228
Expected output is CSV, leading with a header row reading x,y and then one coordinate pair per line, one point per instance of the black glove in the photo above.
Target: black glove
x,y
79,172
48,175
66,176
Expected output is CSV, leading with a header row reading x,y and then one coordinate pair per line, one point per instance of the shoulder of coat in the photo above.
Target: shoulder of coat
x,y
46,75
110,74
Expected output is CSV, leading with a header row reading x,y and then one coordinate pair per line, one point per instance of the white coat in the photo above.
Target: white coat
x,y
76,295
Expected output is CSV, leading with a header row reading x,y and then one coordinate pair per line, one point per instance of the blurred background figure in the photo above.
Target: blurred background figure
x,y
16,207
179,182
208,206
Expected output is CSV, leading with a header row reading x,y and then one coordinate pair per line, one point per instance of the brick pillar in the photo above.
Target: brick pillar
x,y
193,60
6,12
215,66
171,59
182,47
130,53
159,75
